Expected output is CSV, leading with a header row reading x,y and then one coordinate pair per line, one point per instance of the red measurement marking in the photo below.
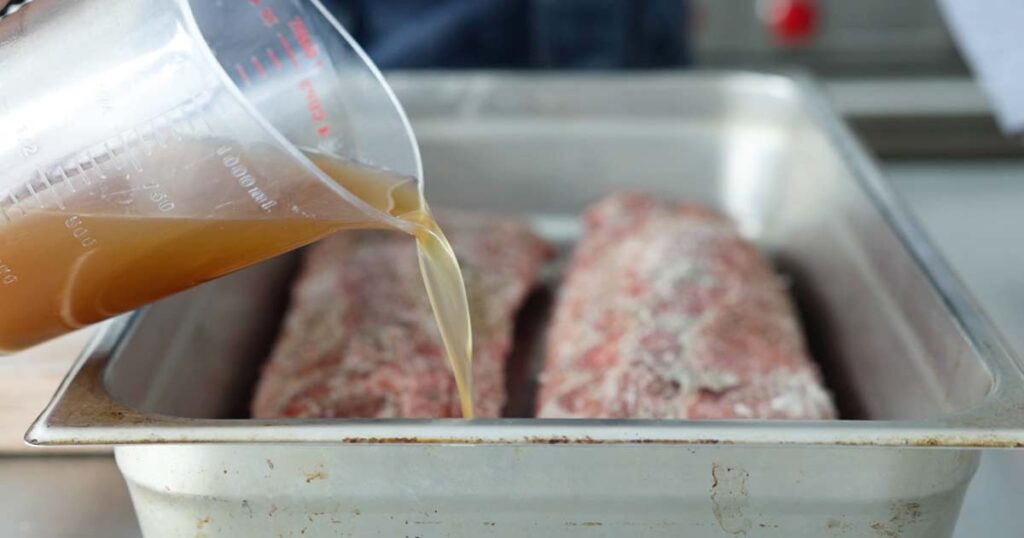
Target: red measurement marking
x,y
298,27
255,2
268,17
323,131
272,56
242,74
258,66
316,109
288,51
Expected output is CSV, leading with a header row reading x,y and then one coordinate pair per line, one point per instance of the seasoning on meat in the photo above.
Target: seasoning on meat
x,y
666,312
360,340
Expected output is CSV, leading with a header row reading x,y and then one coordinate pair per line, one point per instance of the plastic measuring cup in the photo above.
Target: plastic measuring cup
x,y
147,146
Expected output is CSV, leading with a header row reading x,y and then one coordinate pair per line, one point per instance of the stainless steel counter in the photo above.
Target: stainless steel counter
x,y
973,211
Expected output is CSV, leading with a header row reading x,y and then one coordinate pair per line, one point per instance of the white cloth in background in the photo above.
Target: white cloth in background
x,y
991,37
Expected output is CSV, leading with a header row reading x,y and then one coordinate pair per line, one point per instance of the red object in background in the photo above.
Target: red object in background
x,y
792,22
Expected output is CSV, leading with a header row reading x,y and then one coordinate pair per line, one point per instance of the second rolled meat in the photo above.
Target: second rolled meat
x,y
667,312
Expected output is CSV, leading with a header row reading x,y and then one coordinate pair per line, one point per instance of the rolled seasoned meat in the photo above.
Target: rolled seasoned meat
x,y
360,340
667,312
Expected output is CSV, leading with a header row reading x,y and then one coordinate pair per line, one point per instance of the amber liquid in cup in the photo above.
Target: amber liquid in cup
x,y
61,271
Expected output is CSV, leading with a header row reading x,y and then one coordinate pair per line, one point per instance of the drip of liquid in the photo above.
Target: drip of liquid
x,y
447,293
446,290
60,271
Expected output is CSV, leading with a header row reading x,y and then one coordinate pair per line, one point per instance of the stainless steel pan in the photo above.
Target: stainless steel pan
x,y
915,365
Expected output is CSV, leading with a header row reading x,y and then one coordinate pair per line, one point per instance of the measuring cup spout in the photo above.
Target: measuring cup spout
x,y
327,100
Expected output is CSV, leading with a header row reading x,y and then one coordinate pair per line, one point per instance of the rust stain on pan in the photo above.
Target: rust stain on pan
x,y
160,437
904,514
556,440
915,443
954,442
729,498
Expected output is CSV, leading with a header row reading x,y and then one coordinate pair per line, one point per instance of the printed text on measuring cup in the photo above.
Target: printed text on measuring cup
x,y
245,180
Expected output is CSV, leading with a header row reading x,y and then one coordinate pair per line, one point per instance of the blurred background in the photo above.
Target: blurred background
x,y
869,37
892,67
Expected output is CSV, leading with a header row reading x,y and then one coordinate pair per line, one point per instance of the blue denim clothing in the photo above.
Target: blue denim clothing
x,y
545,34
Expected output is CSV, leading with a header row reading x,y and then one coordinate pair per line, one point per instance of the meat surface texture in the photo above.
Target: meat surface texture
x,y
359,338
667,312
